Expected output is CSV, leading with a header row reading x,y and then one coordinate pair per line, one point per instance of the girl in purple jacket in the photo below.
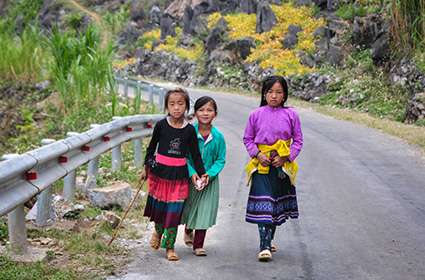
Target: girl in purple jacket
x,y
273,139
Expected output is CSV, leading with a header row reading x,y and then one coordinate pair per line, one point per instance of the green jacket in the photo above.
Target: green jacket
x,y
213,152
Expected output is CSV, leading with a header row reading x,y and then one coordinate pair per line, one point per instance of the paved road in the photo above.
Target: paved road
x,y
361,198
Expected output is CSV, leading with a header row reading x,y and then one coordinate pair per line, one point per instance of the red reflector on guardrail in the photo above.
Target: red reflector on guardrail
x,y
128,129
106,138
63,159
85,148
31,175
148,125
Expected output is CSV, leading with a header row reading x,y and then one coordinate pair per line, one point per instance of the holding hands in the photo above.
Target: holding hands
x,y
200,182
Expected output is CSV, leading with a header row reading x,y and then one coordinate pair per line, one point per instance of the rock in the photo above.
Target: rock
x,y
119,194
137,12
266,19
177,7
167,26
241,47
129,35
366,30
309,87
381,49
213,40
248,6
42,85
223,56
306,59
290,41
416,108
335,55
155,15
111,218
294,29
303,2
73,212
187,20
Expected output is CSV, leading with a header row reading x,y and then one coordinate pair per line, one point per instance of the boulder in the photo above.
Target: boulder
x,y
290,41
213,39
118,194
241,47
167,26
335,55
366,30
266,19
155,15
137,12
248,6
381,49
416,108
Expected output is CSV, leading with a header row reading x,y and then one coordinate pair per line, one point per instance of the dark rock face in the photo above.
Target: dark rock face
x,y
3,6
241,47
291,38
303,2
50,14
416,108
406,74
335,55
309,87
137,13
381,49
155,15
129,35
187,20
248,6
167,26
213,39
266,19
366,30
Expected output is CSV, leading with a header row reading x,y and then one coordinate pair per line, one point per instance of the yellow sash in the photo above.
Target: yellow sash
x,y
282,148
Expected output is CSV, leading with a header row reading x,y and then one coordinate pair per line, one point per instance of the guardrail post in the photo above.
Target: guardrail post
x,y
116,154
161,99
44,199
125,87
16,225
151,88
69,180
137,146
92,169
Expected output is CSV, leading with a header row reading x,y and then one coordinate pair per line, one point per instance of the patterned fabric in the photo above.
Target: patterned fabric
x,y
169,238
272,200
167,214
167,235
266,236
167,190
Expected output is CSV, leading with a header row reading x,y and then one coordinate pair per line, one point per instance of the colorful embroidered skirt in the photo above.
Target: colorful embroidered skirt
x,y
271,200
168,187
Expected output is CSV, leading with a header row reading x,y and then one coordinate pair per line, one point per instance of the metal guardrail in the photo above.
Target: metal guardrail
x,y
32,173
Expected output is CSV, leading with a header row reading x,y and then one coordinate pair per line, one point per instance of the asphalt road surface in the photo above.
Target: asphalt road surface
x,y
361,197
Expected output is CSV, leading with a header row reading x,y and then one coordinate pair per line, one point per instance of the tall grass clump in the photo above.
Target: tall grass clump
x,y
408,23
22,57
81,70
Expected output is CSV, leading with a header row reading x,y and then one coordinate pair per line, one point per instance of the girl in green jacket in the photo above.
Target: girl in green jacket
x,y
200,209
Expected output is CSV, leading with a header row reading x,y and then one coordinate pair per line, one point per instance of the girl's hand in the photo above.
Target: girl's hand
x,y
279,161
143,174
205,179
264,160
195,178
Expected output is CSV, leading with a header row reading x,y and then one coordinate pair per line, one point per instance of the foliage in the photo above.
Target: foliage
x,y
22,57
408,24
148,38
269,51
24,10
34,271
116,21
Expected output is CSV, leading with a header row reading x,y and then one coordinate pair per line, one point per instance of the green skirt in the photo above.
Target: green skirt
x,y
200,208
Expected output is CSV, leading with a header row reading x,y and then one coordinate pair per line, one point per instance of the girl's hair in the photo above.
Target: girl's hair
x,y
201,101
268,84
181,91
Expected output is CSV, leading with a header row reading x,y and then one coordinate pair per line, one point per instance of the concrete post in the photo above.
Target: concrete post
x,y
16,225
116,154
92,169
137,146
44,200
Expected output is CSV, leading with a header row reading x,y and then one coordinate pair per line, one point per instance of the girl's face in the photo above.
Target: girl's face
x,y
176,105
275,95
205,114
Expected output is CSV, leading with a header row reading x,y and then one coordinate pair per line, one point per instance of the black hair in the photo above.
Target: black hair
x,y
201,101
183,92
268,84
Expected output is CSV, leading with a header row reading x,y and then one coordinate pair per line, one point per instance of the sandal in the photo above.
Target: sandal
x,y
264,256
172,256
188,239
155,241
273,248
200,252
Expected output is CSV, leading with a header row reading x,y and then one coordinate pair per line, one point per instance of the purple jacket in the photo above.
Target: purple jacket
x,y
266,125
